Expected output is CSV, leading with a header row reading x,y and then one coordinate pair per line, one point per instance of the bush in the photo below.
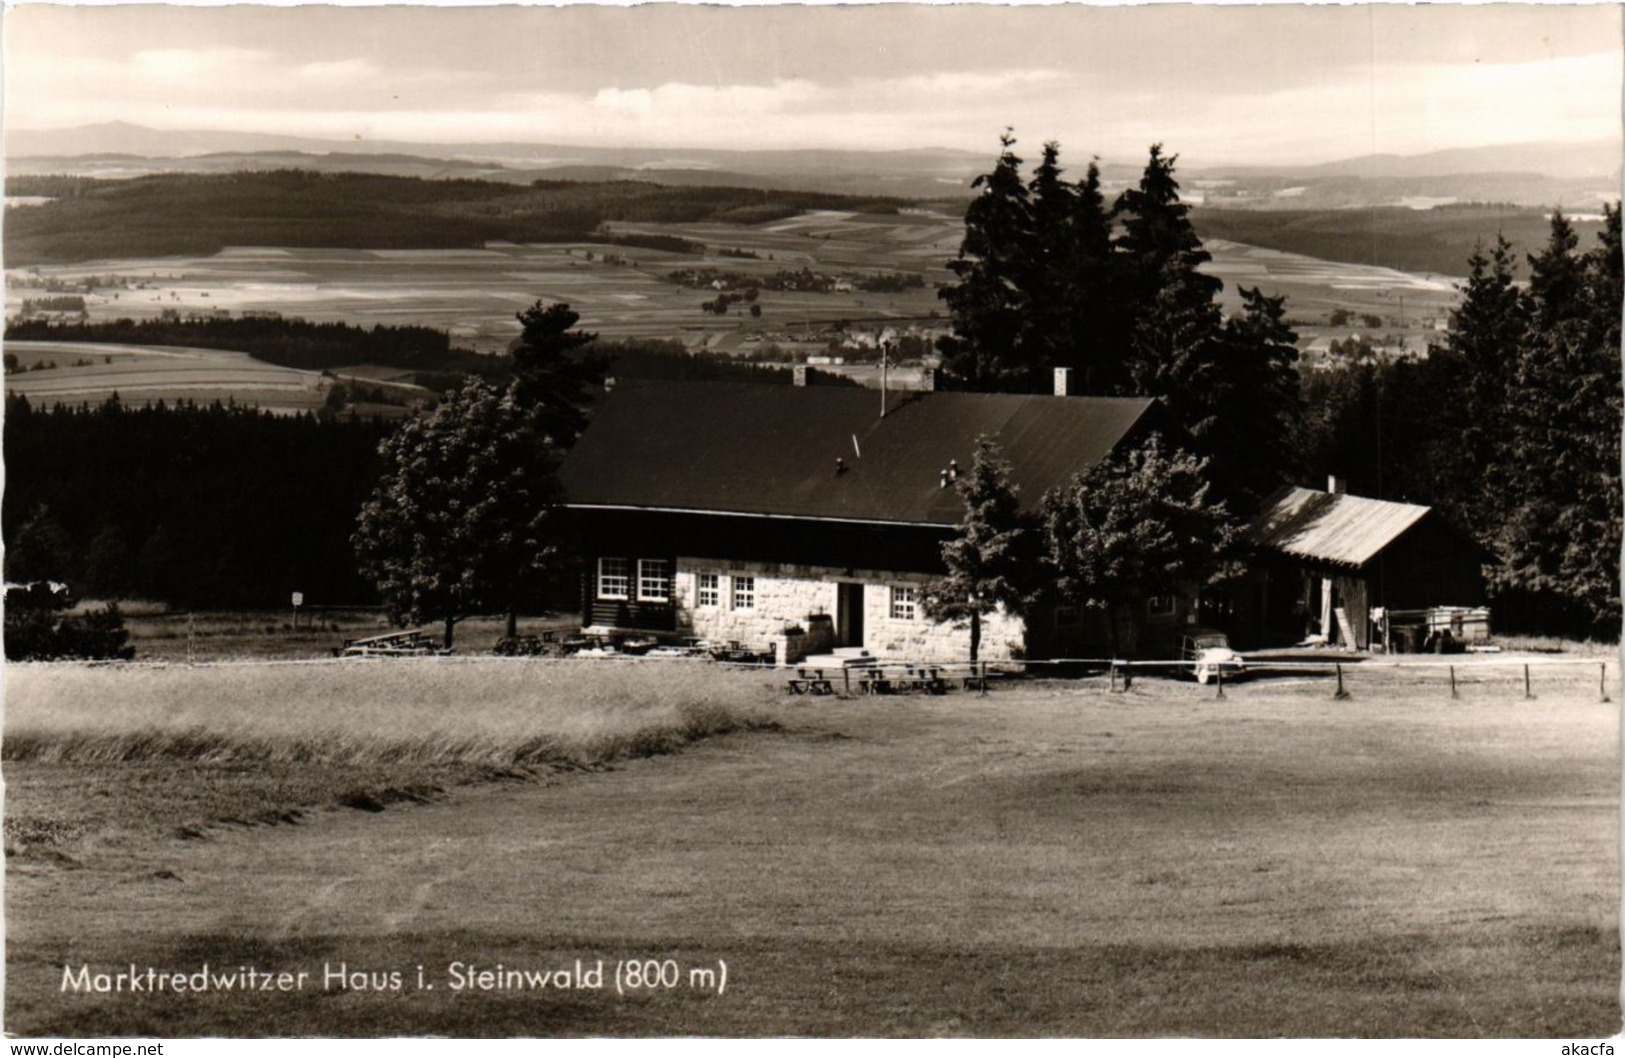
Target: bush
x,y
38,628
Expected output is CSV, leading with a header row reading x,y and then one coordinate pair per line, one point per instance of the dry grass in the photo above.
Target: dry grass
x,y
432,711
110,753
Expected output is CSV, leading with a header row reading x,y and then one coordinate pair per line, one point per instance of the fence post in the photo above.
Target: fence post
x,y
1602,682
846,680
1527,694
981,671
1453,693
1340,695
1220,674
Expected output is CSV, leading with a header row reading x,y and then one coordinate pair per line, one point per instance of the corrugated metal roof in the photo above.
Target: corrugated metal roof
x,y
749,448
1331,527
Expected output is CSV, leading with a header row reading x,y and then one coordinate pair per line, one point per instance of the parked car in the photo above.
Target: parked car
x,y
1208,653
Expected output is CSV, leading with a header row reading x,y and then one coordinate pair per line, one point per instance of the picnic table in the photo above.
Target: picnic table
x,y
894,677
391,645
878,677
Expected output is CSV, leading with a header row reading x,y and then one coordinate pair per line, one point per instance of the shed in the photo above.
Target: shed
x,y
1328,559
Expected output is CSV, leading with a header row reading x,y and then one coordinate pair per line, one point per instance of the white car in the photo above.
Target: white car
x,y
1207,654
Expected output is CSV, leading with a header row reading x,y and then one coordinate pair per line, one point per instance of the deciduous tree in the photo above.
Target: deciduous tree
x,y
1139,523
463,519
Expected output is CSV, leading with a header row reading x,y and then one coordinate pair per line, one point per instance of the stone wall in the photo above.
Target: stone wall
x,y
1003,635
787,595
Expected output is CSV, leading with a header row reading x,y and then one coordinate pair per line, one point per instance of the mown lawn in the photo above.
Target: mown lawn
x,y
1052,859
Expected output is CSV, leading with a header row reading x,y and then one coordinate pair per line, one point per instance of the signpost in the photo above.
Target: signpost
x,y
298,601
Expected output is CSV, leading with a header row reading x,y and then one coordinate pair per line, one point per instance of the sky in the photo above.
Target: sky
x,y
1220,84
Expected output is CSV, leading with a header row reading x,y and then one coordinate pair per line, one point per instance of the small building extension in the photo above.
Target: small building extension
x,y
1330,565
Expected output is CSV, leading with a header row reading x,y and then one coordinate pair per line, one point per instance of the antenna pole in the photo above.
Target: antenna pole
x,y
883,351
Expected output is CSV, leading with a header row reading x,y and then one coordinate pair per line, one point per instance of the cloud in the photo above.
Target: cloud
x,y
195,66
344,71
709,77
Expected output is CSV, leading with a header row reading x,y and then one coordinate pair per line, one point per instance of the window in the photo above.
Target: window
x,y
905,603
1065,616
744,595
708,589
1160,605
654,580
614,580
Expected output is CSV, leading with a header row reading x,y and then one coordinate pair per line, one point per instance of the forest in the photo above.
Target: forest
x,y
292,343
1510,425
151,503
186,214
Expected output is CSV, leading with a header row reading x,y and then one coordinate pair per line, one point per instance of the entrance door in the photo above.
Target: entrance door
x,y
849,615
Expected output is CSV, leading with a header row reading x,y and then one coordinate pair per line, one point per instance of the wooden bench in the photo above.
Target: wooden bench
x,y
811,680
895,677
967,675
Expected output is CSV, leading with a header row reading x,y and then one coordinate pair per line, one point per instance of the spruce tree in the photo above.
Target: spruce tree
x,y
991,556
988,304
1157,230
1049,279
1256,405
1562,534
1097,321
1477,367
554,373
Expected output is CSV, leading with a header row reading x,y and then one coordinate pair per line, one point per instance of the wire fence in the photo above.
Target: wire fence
x,y
1337,678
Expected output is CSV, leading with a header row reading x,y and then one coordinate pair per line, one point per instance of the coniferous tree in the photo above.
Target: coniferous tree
x,y
1557,276
1255,404
1097,323
1157,230
1050,265
991,557
1562,532
988,304
1476,366
554,372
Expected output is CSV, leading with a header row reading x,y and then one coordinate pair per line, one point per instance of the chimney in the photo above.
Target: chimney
x,y
1063,382
798,374
1336,485
928,379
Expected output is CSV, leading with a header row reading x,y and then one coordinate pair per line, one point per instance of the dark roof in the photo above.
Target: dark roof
x,y
1331,527
747,448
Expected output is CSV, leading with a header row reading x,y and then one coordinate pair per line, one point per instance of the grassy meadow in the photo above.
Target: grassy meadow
x,y
1051,859
96,753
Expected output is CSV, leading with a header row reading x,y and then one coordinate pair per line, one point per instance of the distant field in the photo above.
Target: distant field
x,y
1415,240
474,294
1051,860
88,372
